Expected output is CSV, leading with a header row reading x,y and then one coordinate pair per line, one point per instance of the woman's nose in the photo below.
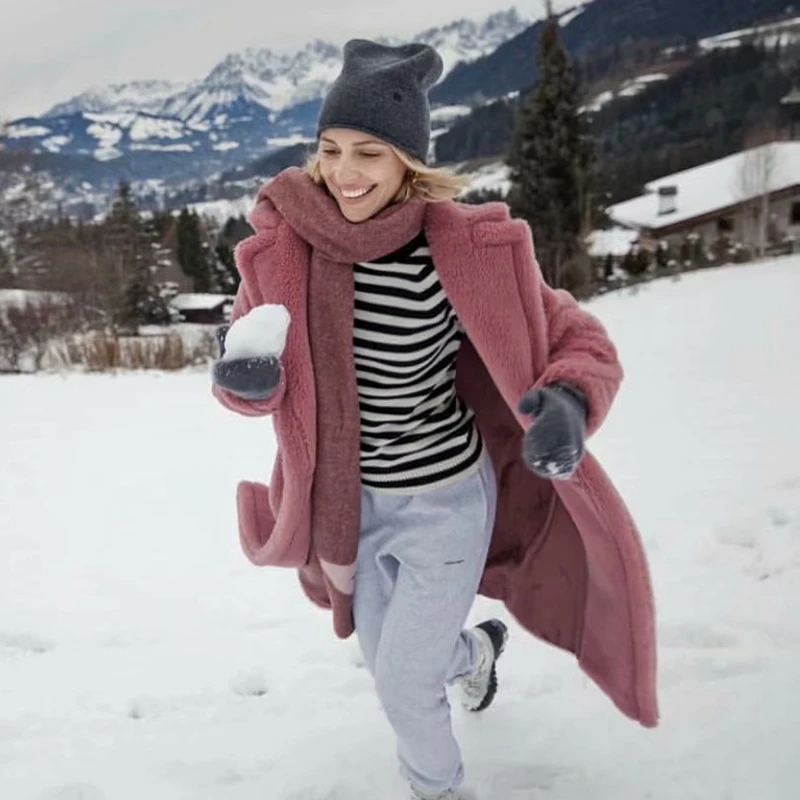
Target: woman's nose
x,y
346,170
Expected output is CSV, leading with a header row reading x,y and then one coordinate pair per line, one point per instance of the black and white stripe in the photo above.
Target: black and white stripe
x,y
415,431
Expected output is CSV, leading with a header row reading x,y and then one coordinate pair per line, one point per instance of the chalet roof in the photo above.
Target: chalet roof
x,y
714,186
199,301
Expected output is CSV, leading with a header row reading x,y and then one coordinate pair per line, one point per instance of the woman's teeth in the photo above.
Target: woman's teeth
x,y
355,195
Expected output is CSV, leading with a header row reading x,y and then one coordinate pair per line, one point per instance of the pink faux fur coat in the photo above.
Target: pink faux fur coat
x,y
566,557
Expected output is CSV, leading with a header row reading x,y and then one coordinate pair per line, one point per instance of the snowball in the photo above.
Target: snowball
x,y
261,332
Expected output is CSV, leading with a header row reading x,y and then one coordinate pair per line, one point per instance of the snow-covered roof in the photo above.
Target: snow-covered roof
x,y
199,302
714,186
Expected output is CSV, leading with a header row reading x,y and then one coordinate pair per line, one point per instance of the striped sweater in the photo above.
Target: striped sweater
x,y
416,433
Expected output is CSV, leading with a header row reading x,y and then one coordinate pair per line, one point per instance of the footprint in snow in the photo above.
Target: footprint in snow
x,y
17,644
250,684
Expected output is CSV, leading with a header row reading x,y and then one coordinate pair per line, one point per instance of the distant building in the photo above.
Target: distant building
x,y
207,309
740,198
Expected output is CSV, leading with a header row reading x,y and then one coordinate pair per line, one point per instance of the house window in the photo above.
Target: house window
x,y
724,225
795,213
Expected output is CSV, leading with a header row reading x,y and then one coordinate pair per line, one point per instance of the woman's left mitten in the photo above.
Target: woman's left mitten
x,y
554,444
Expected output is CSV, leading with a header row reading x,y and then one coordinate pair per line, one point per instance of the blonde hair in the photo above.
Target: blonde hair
x,y
434,184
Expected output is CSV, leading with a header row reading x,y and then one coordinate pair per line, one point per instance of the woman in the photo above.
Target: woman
x,y
409,474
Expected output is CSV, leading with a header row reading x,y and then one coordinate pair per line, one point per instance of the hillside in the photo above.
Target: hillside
x,y
703,110
604,26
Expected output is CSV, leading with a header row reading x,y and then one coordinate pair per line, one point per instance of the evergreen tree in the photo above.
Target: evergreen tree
x,y
6,269
119,254
227,275
551,160
135,256
144,302
193,252
234,231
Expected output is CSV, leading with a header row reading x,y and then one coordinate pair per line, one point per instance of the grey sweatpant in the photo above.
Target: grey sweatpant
x,y
420,560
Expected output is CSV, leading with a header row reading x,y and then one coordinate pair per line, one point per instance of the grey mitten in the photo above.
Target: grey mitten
x,y
554,444
252,378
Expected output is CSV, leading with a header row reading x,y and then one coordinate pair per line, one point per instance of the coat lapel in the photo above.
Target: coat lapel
x,y
479,280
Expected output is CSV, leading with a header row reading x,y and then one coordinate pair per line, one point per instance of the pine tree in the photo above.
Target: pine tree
x,y
193,252
234,231
227,275
144,302
135,256
551,161
6,269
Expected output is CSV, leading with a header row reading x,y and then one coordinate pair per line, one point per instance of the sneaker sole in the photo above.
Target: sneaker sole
x,y
492,689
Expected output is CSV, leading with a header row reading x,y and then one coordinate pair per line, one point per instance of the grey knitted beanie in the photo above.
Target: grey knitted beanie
x,y
383,91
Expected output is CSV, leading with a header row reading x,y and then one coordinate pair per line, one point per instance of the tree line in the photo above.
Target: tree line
x,y
125,267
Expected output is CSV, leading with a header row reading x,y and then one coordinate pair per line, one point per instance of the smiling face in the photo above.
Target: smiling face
x,y
362,173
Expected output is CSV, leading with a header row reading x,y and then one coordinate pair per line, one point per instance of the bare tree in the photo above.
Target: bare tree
x,y
756,177
22,190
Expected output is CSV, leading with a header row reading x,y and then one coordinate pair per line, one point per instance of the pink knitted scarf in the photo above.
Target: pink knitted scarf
x,y
335,244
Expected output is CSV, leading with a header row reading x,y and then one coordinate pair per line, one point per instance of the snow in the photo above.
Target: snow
x,y
713,186
280,142
23,297
652,77
599,101
445,114
615,241
569,16
106,130
54,143
260,332
22,131
132,96
492,177
638,84
629,88
146,127
162,148
222,210
107,154
142,656
783,33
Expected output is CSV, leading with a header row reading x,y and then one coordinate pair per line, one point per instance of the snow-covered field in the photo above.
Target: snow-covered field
x,y
141,656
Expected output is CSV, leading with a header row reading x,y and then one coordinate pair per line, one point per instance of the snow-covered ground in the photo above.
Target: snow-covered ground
x,y
141,656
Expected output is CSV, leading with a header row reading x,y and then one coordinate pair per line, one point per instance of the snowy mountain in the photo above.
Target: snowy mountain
x,y
148,96
466,40
260,77
278,81
252,103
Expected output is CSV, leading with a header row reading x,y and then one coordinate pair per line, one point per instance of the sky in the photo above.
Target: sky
x,y
51,50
